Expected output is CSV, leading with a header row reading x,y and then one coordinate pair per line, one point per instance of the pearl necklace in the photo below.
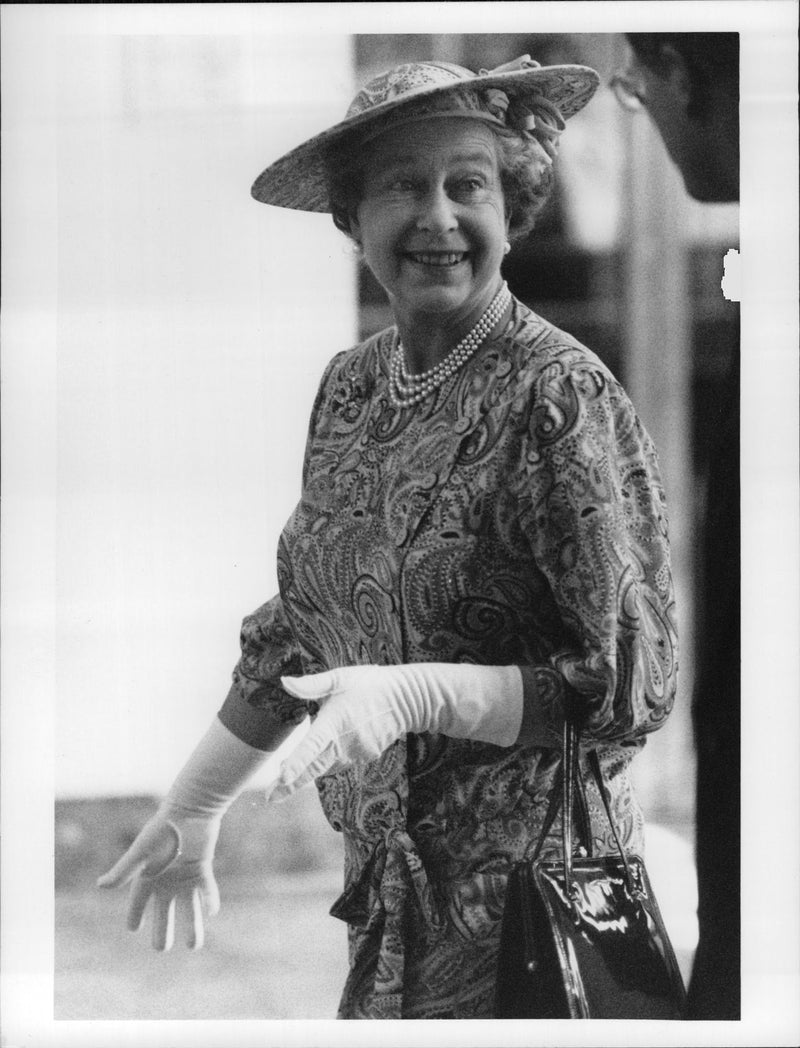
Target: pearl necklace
x,y
406,389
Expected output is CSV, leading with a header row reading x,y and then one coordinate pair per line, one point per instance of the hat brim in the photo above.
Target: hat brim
x,y
297,179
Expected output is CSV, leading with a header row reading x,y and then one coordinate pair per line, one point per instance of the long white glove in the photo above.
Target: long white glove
x,y
364,709
171,859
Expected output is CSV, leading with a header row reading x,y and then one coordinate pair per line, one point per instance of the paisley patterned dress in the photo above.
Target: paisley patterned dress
x,y
515,517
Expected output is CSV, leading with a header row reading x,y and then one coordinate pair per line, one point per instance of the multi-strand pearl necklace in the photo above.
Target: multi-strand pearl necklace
x,y
406,389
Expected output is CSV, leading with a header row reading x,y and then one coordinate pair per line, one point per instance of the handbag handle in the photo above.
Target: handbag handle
x,y
570,743
563,796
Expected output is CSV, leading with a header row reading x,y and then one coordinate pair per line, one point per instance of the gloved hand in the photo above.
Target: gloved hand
x,y
171,859
364,709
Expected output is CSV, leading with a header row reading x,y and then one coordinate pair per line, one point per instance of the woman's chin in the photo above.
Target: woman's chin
x,y
439,286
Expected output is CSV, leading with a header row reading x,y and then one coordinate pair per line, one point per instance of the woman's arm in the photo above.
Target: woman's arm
x,y
596,520
171,859
170,862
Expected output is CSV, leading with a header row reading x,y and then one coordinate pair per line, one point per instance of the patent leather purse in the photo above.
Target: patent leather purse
x,y
582,936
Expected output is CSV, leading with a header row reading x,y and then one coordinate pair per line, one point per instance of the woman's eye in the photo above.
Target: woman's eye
x,y
402,185
470,185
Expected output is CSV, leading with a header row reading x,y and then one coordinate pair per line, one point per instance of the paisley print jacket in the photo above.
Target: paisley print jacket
x,y
515,517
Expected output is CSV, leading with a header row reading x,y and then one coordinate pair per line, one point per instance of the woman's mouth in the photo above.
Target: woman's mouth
x,y
440,259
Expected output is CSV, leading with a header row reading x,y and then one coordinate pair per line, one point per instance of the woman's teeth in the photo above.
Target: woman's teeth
x,y
449,258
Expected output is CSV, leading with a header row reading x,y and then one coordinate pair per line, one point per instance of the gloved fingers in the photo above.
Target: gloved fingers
x,y
202,900
314,687
304,765
318,687
163,921
196,933
295,774
330,742
152,851
209,895
281,791
319,753
121,872
187,888
141,890
316,749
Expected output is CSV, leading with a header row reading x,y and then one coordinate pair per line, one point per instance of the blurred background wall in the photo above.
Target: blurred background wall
x,y
193,327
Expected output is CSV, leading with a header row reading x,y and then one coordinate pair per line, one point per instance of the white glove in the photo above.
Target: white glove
x,y
364,709
171,859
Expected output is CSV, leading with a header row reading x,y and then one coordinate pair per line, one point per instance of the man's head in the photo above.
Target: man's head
x,y
689,84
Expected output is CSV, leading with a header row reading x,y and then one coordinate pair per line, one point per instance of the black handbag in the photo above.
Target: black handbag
x,y
582,937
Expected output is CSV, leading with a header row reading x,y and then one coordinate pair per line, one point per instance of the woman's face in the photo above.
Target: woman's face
x,y
431,221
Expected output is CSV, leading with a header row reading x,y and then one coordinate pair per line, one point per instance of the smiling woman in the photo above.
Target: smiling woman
x,y
432,227
479,548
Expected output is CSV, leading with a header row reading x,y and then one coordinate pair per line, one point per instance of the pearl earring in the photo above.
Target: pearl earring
x,y
506,248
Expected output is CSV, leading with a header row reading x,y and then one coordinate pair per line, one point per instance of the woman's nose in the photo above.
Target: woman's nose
x,y
437,212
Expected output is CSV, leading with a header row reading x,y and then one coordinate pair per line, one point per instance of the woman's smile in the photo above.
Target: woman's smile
x,y
438,259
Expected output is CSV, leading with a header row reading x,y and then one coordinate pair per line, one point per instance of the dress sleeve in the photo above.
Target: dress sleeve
x,y
257,709
596,521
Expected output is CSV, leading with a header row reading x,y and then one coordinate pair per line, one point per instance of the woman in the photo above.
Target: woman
x,y
481,539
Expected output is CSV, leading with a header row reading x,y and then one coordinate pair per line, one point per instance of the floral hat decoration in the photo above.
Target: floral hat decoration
x,y
521,96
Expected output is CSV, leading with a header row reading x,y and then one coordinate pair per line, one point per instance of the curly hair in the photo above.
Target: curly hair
x,y
526,183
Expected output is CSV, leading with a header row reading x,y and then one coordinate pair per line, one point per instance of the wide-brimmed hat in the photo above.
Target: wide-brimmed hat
x,y
521,95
